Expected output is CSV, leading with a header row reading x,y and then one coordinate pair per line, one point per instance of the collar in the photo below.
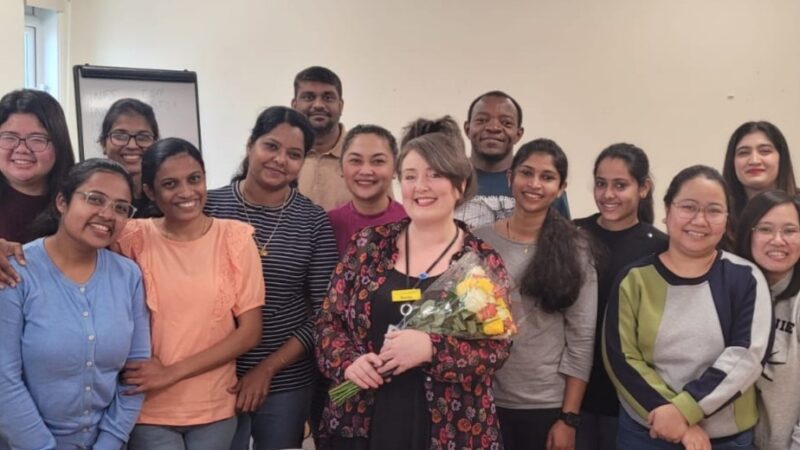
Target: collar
x,y
336,150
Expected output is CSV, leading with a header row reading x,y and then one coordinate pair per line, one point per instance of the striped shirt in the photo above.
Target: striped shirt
x,y
301,257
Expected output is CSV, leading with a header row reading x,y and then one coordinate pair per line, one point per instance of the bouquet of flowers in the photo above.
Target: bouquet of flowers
x,y
465,302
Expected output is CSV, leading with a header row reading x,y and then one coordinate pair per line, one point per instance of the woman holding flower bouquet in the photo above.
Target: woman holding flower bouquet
x,y
420,390
554,297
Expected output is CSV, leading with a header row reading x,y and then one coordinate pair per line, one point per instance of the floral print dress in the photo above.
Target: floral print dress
x,y
458,381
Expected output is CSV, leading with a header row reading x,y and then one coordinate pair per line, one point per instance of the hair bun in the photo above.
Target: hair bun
x,y
420,127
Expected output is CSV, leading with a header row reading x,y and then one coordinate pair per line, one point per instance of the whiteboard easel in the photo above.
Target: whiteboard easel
x,y
171,93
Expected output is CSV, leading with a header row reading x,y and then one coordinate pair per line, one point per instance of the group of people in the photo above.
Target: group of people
x,y
140,310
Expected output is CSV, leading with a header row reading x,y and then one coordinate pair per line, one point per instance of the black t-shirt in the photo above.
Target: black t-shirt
x,y
619,250
17,213
400,418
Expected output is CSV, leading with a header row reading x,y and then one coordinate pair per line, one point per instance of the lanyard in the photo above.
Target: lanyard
x,y
424,274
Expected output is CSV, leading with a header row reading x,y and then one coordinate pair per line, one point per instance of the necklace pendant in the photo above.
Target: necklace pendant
x,y
423,276
263,252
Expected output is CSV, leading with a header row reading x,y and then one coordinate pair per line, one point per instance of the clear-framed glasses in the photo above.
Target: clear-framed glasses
x,y
689,209
121,138
770,232
36,143
101,201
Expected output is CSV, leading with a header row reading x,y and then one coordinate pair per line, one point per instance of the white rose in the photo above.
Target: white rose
x,y
475,300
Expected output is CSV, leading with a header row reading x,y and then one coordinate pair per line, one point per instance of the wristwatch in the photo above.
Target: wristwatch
x,y
571,419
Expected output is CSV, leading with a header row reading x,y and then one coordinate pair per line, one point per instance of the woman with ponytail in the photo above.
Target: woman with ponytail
x,y
623,231
554,298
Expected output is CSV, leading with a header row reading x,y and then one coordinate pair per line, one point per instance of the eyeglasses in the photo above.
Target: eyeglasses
x,y
143,140
688,210
35,142
769,232
101,201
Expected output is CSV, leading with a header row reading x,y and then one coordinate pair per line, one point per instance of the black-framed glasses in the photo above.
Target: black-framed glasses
x,y
101,201
36,143
689,209
769,232
121,138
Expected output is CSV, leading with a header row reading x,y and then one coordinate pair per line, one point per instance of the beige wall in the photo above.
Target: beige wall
x,y
12,23
675,77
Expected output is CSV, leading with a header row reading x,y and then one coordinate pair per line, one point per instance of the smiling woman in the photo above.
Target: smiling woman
x,y
68,328
297,254
439,393
757,160
662,306
554,297
769,234
369,154
35,154
129,128
204,291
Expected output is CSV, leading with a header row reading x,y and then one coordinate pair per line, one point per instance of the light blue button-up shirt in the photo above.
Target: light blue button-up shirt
x,y
62,347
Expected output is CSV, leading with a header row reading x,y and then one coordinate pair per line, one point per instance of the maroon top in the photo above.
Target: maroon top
x,y
347,221
17,211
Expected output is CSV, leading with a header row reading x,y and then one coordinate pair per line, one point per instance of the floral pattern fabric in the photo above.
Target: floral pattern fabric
x,y
458,381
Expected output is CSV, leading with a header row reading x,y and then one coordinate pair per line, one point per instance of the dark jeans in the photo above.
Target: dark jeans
x,y
596,432
277,424
633,436
526,429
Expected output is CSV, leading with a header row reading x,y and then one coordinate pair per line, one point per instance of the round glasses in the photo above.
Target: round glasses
x,y
769,232
36,143
689,209
101,201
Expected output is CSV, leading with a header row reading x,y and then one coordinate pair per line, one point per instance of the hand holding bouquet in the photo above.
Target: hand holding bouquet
x,y
465,302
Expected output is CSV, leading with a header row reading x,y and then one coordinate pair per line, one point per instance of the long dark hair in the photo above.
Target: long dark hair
x,y
51,116
757,208
785,181
555,274
636,161
48,222
267,121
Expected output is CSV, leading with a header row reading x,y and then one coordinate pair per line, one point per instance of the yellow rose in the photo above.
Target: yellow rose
x,y
485,285
493,327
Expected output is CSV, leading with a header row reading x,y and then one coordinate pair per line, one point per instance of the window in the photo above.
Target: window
x,y
41,50
30,56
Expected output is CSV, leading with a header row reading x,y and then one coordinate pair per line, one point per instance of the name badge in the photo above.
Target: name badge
x,y
406,295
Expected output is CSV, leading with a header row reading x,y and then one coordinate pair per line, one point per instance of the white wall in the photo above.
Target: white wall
x,y
12,24
673,76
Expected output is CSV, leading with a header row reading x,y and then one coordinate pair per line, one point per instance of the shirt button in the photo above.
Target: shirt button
x,y
91,337
86,412
88,388
85,430
82,289
86,314
89,364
